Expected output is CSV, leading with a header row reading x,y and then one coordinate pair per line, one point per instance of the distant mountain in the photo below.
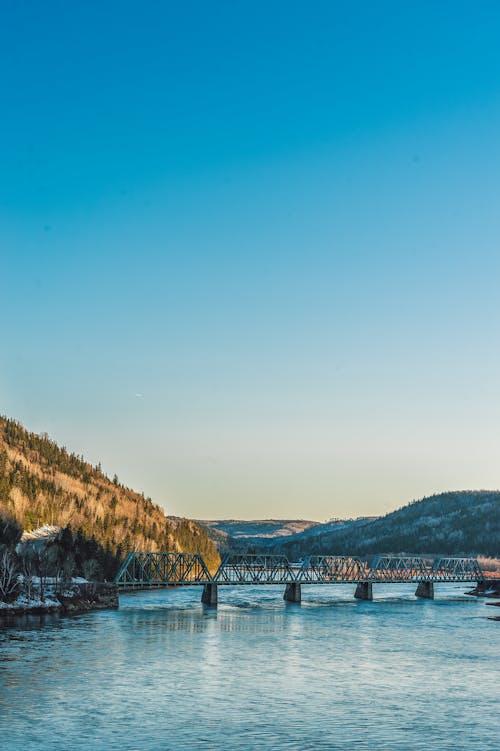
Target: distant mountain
x,y
240,536
43,484
456,523
257,529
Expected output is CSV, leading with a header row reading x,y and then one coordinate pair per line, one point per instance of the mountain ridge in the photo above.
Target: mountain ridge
x,y
465,522
454,522
42,483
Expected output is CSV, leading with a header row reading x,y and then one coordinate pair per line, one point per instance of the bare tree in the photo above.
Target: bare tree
x,y
9,582
54,563
68,568
27,565
42,566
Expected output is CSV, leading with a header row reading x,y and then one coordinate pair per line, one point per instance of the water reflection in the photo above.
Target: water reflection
x,y
164,672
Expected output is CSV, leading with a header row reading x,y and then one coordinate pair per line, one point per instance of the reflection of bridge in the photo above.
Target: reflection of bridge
x,y
144,570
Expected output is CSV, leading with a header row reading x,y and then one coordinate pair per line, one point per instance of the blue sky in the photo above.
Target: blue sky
x,y
250,251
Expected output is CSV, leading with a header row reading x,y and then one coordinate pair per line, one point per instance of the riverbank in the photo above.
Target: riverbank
x,y
76,598
490,587
495,593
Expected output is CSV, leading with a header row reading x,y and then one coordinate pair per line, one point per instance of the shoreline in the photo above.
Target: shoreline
x,y
78,598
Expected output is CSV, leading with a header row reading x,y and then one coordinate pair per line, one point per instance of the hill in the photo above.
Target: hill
x,y
234,534
258,528
455,523
42,483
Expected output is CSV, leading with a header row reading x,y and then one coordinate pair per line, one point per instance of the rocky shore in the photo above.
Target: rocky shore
x,y
489,587
495,604
76,598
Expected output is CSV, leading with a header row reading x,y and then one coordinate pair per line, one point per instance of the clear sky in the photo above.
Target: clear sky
x,y
250,252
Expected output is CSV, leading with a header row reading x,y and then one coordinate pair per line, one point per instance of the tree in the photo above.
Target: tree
x,y
91,569
42,562
28,567
68,569
9,581
10,532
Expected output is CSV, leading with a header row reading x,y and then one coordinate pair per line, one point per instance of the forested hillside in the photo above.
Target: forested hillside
x,y
456,523
42,483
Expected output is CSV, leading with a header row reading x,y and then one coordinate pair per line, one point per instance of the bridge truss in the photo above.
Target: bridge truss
x,y
255,569
332,569
395,569
162,569
141,570
457,570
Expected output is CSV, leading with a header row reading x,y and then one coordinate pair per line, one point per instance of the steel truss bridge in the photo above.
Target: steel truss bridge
x,y
146,570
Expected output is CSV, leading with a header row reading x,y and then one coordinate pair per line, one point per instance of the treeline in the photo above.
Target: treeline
x,y
455,523
42,484
48,452
26,567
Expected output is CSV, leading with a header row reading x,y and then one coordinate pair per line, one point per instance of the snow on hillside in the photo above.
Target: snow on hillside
x,y
258,528
46,532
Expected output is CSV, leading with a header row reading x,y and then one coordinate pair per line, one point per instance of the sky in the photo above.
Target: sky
x,y
249,252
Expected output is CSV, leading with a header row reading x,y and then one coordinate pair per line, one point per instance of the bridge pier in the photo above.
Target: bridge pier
x,y
425,590
293,592
364,591
209,594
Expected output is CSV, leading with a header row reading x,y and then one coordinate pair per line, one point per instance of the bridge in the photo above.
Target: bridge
x,y
147,570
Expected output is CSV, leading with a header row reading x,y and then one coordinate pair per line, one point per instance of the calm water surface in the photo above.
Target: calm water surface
x,y
163,672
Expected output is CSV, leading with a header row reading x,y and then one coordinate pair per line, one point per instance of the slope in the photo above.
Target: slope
x,y
42,483
455,523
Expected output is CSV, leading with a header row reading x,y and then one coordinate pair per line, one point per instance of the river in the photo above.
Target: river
x,y
256,674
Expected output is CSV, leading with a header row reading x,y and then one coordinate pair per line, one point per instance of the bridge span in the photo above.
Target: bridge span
x,y
146,570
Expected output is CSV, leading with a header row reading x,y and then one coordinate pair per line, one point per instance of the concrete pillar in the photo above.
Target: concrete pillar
x,y
364,591
426,590
209,594
292,592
